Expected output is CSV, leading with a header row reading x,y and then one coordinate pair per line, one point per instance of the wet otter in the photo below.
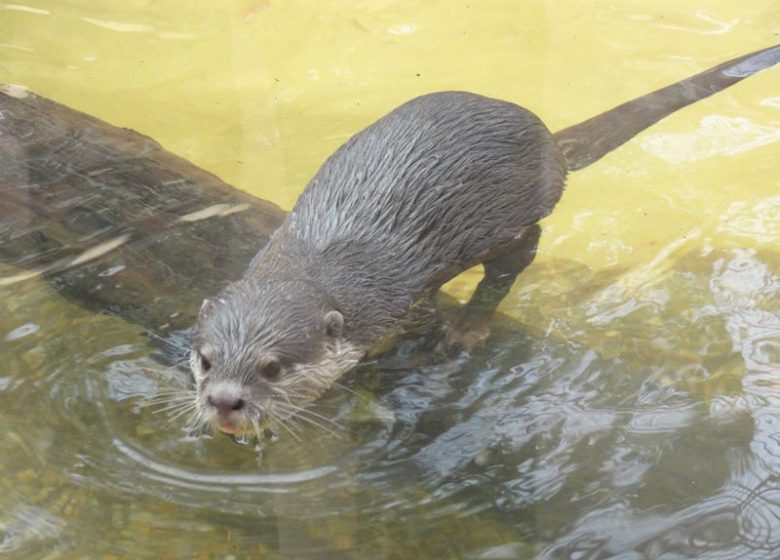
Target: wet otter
x,y
443,182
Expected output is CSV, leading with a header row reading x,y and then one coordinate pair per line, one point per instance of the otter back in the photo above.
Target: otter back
x,y
432,187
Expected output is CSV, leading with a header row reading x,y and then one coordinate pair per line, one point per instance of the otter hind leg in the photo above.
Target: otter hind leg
x,y
472,326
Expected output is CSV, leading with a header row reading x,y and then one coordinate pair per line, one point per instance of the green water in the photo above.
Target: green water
x,y
650,434
628,403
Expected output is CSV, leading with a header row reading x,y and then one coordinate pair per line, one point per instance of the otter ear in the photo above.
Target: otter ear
x,y
204,306
334,323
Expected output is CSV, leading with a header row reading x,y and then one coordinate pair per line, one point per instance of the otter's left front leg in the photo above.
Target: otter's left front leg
x,y
473,324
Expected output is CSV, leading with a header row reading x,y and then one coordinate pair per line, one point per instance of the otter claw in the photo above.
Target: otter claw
x,y
466,338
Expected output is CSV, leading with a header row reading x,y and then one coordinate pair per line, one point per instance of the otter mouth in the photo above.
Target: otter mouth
x,y
245,432
237,424
232,428
232,423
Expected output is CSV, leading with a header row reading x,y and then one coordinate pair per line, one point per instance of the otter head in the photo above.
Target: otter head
x,y
263,350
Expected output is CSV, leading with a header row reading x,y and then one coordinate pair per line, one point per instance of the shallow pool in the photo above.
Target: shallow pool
x,y
627,405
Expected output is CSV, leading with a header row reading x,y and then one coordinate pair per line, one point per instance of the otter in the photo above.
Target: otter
x,y
444,182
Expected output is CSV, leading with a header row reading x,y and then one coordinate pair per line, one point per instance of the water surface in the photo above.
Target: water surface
x,y
627,406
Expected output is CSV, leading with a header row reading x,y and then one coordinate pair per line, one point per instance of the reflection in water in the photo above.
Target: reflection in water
x,y
578,441
741,517
718,136
630,412
24,524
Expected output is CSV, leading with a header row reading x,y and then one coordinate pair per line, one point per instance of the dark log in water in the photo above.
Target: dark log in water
x,y
113,221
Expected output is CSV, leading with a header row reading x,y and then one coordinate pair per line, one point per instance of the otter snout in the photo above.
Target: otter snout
x,y
225,403
226,407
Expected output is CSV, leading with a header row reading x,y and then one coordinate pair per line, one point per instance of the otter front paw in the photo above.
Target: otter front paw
x,y
466,335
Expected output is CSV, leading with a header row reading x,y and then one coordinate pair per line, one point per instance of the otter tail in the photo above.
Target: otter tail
x,y
589,141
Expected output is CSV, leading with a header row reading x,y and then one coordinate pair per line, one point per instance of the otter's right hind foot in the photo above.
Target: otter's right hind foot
x,y
467,335
472,327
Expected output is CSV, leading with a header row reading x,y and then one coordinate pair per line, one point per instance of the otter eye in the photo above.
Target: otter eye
x,y
205,364
271,370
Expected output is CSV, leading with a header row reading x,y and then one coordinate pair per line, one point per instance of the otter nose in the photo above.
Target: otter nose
x,y
225,402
